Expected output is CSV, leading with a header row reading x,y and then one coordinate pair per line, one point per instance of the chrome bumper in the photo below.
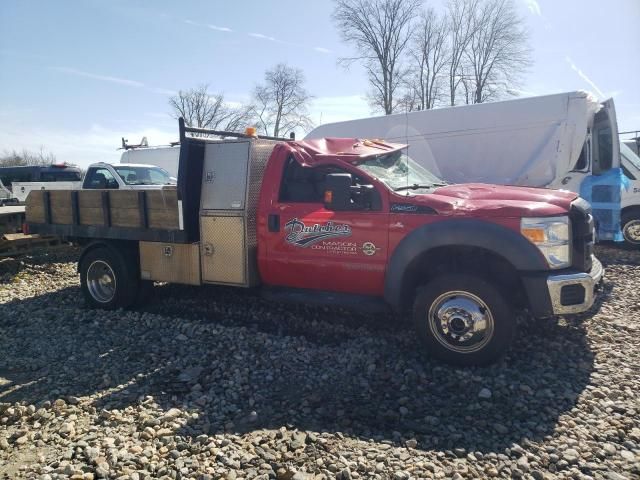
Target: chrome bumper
x,y
589,281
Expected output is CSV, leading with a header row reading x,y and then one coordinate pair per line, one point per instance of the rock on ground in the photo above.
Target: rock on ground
x,y
208,383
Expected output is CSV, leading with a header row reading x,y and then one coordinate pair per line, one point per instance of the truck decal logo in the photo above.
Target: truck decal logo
x,y
302,235
369,248
410,208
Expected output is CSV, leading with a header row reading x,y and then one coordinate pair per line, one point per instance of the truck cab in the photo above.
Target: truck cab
x,y
339,218
130,176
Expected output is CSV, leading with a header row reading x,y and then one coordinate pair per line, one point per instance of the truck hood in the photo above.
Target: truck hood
x,y
478,199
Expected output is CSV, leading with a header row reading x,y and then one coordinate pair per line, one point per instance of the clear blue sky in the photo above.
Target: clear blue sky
x,y
77,75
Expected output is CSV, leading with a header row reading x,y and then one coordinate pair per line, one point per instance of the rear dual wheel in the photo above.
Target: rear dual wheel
x,y
110,278
463,319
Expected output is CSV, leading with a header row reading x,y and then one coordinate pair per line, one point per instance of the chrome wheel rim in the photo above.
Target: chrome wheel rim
x,y
461,322
101,281
631,231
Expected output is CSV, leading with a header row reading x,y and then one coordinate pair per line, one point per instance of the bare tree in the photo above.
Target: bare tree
x,y
429,57
498,53
201,109
380,31
460,15
281,103
26,158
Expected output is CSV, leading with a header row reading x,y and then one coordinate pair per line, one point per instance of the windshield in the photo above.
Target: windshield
x,y
629,155
144,175
397,170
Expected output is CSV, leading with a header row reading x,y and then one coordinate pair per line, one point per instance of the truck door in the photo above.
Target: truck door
x,y
309,246
100,178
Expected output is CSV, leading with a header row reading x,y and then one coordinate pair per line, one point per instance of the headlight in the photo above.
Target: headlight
x,y
552,237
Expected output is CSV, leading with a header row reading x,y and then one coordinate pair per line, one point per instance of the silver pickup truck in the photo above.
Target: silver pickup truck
x,y
100,176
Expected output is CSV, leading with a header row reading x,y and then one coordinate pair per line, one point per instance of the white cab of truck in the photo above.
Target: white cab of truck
x,y
130,176
563,141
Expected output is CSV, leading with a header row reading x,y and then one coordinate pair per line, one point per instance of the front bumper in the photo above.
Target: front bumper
x,y
575,292
563,293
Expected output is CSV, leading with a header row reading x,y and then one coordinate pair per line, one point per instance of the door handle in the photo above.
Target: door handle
x,y
273,222
565,180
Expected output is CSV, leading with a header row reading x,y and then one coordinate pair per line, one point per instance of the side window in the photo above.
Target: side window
x,y
157,178
582,163
61,176
604,149
100,178
307,185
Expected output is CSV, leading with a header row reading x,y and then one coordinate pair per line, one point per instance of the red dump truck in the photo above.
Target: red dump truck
x,y
356,218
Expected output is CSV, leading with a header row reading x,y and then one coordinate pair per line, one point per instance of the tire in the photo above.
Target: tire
x,y
631,229
109,279
456,299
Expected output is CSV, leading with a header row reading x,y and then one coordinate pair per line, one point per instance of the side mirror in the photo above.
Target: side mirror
x,y
337,192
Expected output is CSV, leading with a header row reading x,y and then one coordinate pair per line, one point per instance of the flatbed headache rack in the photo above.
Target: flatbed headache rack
x,y
169,214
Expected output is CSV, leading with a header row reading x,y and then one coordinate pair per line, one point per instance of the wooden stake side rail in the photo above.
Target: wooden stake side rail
x,y
150,215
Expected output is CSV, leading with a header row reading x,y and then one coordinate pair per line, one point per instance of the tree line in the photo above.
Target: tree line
x,y
279,105
26,158
416,59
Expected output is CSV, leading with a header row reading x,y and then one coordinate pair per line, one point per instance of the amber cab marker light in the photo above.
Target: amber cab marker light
x,y
250,132
328,196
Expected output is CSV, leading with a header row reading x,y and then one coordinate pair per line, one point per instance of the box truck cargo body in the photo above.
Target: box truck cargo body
x,y
563,141
164,157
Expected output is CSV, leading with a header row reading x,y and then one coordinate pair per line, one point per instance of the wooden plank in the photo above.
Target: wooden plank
x,y
162,199
61,214
34,207
60,201
123,199
60,197
90,198
125,217
116,233
91,216
163,219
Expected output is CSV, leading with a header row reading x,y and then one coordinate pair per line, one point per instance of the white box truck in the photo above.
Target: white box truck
x,y
563,141
165,157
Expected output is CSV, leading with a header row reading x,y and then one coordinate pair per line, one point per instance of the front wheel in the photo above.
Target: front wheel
x,y
631,229
108,279
463,319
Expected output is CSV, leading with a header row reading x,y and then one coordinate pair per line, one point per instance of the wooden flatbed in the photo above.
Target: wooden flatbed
x,y
148,215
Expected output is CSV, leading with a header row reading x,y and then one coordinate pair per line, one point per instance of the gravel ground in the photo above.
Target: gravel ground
x,y
213,382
